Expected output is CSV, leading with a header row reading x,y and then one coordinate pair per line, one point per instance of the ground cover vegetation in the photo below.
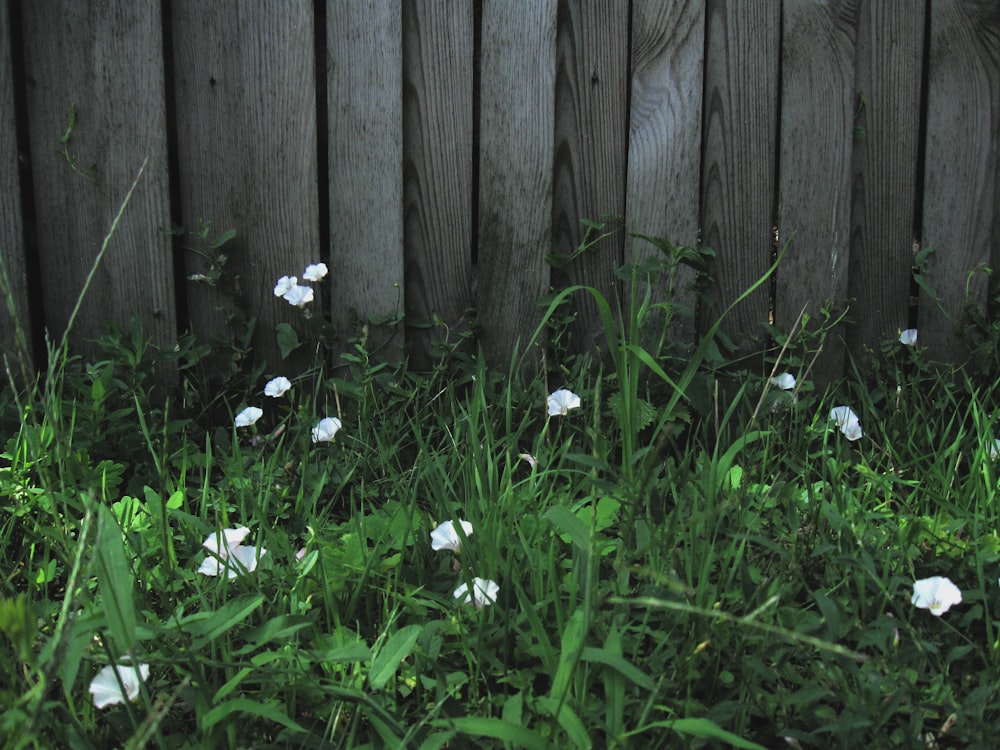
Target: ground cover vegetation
x,y
669,545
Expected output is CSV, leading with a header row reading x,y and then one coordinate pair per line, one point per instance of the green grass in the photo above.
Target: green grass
x,y
679,568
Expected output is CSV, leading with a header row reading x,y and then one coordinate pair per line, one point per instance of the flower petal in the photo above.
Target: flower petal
x,y
785,381
937,593
325,431
908,337
277,387
105,688
561,401
225,539
285,285
315,272
298,295
484,592
248,416
446,536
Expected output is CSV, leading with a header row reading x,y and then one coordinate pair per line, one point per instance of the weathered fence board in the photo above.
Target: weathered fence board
x,y
105,63
591,121
961,188
738,171
664,148
246,124
364,80
11,227
458,143
890,44
517,116
438,63
817,123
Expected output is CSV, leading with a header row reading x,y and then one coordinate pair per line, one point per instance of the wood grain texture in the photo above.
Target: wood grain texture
x,y
438,60
738,169
517,118
11,224
890,45
664,144
104,59
591,149
364,81
962,173
246,123
817,126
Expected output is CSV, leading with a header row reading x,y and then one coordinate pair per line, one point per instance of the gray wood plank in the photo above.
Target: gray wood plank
x,y
517,116
738,169
890,46
664,145
105,61
365,93
962,166
591,146
246,123
817,124
11,224
438,61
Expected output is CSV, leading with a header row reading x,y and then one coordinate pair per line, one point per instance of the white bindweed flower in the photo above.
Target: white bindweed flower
x,y
561,401
315,272
995,450
228,555
277,386
532,461
325,431
298,295
937,594
484,592
285,285
785,381
446,535
106,689
847,421
908,337
248,416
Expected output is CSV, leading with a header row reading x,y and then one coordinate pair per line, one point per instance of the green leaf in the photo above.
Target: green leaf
x,y
569,653
571,525
213,624
620,665
114,577
704,729
391,655
500,730
249,707
569,721
288,339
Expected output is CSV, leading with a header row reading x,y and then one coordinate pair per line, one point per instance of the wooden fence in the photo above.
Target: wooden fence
x,y
433,152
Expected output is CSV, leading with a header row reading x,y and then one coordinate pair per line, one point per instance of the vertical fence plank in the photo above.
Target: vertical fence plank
x,y
817,124
105,61
738,170
364,42
517,115
246,128
11,228
590,147
664,145
962,173
890,44
438,57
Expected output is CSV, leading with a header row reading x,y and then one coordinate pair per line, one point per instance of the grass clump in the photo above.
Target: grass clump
x,y
669,567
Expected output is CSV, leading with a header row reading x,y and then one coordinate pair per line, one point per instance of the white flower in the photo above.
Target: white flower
x,y
227,554
937,594
325,430
446,535
106,690
561,401
847,421
995,450
285,285
277,386
315,272
483,592
785,381
532,461
248,416
298,295
908,337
